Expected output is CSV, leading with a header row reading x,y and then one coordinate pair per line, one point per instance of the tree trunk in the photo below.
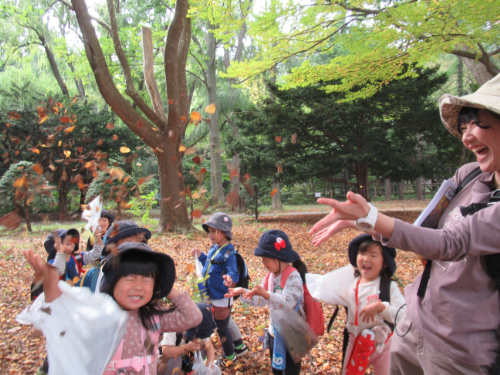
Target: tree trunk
x,y
361,172
346,180
460,77
402,190
62,199
213,125
163,137
276,200
256,199
418,188
478,70
78,83
27,216
387,190
54,67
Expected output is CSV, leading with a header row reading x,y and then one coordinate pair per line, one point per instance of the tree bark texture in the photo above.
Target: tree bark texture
x,y
213,125
163,137
54,67
361,172
62,200
402,190
418,188
27,216
276,200
78,83
387,189
478,70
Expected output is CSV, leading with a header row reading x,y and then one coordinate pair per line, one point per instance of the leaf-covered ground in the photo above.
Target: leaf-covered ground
x,y
22,348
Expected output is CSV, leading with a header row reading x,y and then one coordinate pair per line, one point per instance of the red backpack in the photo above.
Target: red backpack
x,y
312,307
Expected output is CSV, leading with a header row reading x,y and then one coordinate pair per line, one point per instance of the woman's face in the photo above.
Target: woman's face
x,y
133,291
483,139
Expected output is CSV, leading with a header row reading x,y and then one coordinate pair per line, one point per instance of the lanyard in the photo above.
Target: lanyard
x,y
357,303
210,261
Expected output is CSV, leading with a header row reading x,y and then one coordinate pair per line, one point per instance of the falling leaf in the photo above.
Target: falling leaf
x,y
117,173
110,126
139,164
69,130
11,221
273,192
100,142
196,214
190,268
247,176
140,124
37,168
20,182
125,180
65,119
67,153
195,117
167,199
115,137
189,151
294,138
280,168
124,150
81,185
170,101
210,108
203,170
35,150
159,150
183,118
14,115
277,139
197,160
144,179
42,120
182,148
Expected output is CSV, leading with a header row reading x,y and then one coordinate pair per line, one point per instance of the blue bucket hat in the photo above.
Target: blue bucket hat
x,y
220,221
389,253
275,244
205,328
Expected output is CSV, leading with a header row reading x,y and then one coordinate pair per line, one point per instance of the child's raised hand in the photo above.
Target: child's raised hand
x,y
60,248
370,311
258,290
233,292
196,252
228,281
98,236
44,273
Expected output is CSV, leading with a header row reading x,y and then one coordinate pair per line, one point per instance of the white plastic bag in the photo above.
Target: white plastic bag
x,y
93,213
333,287
214,369
83,329
199,367
199,267
296,333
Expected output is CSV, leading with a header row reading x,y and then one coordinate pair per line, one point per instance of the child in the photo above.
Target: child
x,y
368,316
220,271
105,222
177,349
277,254
137,278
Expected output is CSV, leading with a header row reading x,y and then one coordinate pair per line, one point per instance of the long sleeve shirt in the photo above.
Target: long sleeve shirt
x,y
460,313
289,295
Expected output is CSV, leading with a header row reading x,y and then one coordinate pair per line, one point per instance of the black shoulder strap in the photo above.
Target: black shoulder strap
x,y
385,289
424,281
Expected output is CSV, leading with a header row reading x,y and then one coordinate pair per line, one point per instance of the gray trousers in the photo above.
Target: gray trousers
x,y
234,330
413,355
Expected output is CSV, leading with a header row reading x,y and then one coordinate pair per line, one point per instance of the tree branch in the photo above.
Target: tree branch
x,y
98,20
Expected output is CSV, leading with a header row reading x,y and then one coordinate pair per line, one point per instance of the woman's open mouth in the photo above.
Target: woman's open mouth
x,y
480,152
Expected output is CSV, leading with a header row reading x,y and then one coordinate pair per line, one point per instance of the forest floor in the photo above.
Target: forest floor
x,y
22,348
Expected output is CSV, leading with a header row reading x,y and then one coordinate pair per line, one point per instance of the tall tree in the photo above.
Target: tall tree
x,y
162,135
373,39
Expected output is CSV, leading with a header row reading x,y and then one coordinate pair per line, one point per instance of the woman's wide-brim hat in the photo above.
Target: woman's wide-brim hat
x,y
166,266
487,97
389,253
275,244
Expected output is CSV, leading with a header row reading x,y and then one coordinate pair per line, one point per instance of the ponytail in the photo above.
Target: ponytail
x,y
301,267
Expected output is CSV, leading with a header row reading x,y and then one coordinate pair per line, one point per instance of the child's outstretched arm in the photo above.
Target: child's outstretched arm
x,y
45,273
95,253
252,297
232,275
186,314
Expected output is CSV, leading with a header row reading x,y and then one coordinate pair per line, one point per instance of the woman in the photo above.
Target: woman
x,y
452,327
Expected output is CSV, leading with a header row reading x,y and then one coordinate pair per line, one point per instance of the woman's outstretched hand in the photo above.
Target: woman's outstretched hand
x,y
354,208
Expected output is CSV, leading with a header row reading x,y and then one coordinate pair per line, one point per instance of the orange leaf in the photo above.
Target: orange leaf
x,y
277,139
20,182
115,137
35,150
100,142
124,150
81,185
170,101
69,130
203,170
196,214
183,118
273,192
210,108
197,160
140,124
67,153
110,126
65,119
37,168
13,115
11,221
125,180
247,176
42,120
195,117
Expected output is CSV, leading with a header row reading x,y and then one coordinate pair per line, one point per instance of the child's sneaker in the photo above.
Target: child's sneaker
x,y
241,351
363,348
223,362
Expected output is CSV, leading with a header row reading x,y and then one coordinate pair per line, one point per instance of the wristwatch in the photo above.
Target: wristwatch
x,y
367,223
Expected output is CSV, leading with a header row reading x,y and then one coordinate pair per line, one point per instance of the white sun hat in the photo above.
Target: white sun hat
x,y
487,97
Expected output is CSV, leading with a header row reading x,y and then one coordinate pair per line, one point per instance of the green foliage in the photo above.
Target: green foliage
x,y
115,186
142,205
21,186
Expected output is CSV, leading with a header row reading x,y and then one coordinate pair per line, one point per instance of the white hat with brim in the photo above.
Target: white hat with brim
x,y
487,97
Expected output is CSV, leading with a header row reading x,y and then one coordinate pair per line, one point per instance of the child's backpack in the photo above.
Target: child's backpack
x,y
384,296
312,307
244,280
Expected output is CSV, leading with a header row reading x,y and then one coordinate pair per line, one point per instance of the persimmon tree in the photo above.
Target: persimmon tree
x,y
160,129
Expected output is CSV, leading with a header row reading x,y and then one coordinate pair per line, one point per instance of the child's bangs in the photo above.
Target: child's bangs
x,y
137,263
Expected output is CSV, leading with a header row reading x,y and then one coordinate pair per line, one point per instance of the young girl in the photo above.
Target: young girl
x,y
277,254
105,222
368,316
177,348
137,278
220,271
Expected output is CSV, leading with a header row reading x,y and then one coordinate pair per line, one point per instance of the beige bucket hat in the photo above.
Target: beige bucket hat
x,y
487,97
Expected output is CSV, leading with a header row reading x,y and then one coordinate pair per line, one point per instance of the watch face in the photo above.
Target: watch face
x,y
364,226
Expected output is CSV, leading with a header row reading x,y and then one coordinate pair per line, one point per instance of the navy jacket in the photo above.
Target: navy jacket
x,y
215,282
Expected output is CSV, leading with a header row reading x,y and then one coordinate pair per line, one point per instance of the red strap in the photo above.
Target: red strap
x,y
284,277
357,303
79,263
